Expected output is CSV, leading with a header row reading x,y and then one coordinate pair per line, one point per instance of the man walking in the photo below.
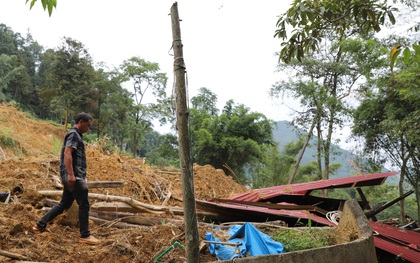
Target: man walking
x,y
73,177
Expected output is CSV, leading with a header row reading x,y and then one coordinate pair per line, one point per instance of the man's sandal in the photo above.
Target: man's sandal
x,y
38,229
90,240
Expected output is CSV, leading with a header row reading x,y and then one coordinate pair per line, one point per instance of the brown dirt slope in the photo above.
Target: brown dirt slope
x,y
29,163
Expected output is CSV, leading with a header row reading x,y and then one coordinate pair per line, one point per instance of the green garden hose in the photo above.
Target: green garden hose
x,y
168,249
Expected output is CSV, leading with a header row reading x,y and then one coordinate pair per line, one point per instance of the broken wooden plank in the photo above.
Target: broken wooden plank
x,y
366,202
267,204
385,206
168,196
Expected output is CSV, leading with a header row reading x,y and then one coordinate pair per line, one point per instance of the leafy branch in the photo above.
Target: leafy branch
x,y
50,4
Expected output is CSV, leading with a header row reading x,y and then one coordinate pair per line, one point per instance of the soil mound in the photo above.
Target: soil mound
x,y
29,163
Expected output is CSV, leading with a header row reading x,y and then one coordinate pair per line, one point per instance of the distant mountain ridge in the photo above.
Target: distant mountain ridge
x,y
284,133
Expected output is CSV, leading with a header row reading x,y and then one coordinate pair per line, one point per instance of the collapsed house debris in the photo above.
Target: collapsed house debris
x,y
397,241
293,203
287,203
130,234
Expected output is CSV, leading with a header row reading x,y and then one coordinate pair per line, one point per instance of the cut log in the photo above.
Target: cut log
x,y
141,220
101,184
114,224
12,255
105,184
139,207
154,209
134,219
115,207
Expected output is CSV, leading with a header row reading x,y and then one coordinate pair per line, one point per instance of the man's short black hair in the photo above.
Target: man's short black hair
x,y
82,116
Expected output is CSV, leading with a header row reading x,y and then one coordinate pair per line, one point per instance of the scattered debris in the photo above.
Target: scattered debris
x,y
139,218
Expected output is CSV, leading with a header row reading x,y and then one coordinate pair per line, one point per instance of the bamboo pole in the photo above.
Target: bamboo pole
x,y
182,125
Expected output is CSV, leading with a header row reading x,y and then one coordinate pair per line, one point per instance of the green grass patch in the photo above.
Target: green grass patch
x,y
7,141
6,131
54,123
15,146
56,146
302,238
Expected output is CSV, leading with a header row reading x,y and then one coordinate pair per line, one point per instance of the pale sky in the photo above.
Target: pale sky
x,y
228,45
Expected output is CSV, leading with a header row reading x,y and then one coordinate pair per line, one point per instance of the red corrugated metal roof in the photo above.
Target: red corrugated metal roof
x,y
404,235
256,209
397,249
262,194
400,242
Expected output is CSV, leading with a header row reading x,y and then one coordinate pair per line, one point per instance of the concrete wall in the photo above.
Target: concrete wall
x,y
354,237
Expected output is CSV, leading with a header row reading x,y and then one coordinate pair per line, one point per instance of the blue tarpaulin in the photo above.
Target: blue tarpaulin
x,y
253,242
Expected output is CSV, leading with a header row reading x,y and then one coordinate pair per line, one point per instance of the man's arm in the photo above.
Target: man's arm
x,y
68,162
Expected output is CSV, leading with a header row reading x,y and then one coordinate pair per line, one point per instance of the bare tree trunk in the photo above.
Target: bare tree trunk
x,y
302,151
319,149
327,149
417,193
401,185
414,179
402,203
182,125
66,122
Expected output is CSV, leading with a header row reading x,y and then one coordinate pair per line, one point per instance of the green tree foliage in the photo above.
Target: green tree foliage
x,y
8,41
205,102
60,82
109,100
311,27
18,65
232,140
388,119
68,78
144,76
8,72
161,150
46,4
275,167
240,141
118,111
323,83
310,22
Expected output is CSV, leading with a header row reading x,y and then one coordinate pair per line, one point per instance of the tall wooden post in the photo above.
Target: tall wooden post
x,y
182,125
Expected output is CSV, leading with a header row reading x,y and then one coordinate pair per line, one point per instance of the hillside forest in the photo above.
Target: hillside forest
x,y
340,69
